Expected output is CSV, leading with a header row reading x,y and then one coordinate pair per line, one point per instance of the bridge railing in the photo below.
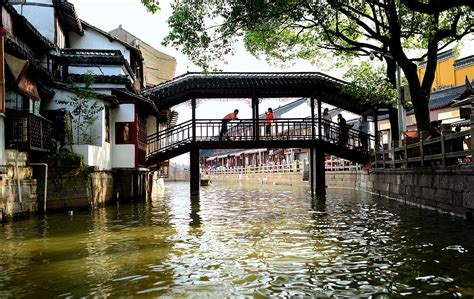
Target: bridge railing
x,y
293,167
251,130
449,149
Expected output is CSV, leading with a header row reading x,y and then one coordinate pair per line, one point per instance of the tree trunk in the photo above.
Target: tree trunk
x,y
419,97
420,100
392,112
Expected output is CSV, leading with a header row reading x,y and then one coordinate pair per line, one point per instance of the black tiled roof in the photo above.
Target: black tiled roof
x,y
93,57
18,50
446,97
441,99
68,16
111,99
22,27
464,62
247,85
136,97
114,79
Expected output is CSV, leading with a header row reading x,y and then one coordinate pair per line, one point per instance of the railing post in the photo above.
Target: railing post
x,y
443,151
422,156
406,153
193,108
383,156
393,156
256,121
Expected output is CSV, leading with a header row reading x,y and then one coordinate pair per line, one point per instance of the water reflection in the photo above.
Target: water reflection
x,y
319,203
195,210
238,241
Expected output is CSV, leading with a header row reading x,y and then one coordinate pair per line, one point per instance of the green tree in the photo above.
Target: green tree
x,y
372,85
311,29
84,109
152,5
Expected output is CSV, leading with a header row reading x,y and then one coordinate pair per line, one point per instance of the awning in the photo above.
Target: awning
x,y
16,65
18,68
28,87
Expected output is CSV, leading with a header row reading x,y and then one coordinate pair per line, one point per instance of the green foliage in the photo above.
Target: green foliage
x,y
68,128
151,5
84,110
286,30
320,30
68,159
370,84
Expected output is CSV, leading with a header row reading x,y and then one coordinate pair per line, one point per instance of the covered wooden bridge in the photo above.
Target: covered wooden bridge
x,y
196,134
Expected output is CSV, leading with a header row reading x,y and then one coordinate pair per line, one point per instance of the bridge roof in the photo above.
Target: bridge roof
x,y
248,85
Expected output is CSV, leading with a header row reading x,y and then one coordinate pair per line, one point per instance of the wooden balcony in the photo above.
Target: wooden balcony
x,y
27,132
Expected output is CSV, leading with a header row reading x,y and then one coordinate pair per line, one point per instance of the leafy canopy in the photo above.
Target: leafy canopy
x,y
309,29
284,30
370,84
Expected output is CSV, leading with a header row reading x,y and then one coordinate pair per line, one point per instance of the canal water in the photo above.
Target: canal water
x,y
240,241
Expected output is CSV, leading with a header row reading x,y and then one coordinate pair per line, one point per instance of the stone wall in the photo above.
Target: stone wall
x,y
290,178
78,189
445,190
10,204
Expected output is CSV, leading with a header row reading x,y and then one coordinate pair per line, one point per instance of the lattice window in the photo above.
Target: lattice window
x,y
142,133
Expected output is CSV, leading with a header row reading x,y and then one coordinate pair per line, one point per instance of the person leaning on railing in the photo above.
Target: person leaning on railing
x,y
225,120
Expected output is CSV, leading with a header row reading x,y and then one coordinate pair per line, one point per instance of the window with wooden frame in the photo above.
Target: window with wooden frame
x,y
107,124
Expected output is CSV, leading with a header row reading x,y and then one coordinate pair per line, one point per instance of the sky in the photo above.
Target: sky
x,y
152,28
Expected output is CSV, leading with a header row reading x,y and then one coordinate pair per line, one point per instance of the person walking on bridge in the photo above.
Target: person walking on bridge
x,y
326,119
343,130
364,132
268,121
225,121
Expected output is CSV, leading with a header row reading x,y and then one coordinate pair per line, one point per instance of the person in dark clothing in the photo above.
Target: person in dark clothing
x,y
343,130
364,132
225,120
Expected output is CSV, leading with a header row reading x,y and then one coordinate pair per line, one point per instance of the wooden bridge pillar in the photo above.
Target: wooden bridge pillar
x,y
318,178
194,171
255,119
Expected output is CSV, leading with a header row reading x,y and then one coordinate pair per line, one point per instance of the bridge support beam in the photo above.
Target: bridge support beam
x,y
318,178
194,171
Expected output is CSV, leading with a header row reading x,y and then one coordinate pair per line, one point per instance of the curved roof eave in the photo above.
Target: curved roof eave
x,y
248,85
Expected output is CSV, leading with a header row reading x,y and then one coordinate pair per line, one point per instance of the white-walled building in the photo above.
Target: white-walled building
x,y
117,139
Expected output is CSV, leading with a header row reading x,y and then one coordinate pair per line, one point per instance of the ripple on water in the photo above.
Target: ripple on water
x,y
240,241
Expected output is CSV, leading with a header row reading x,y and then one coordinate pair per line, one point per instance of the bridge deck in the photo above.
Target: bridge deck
x,y
249,133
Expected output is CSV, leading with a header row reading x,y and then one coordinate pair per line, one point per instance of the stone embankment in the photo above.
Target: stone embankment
x,y
445,190
79,188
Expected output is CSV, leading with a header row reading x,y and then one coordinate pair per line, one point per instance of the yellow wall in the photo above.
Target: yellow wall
x,y
444,75
461,73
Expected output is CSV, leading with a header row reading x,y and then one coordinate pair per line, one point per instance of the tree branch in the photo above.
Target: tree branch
x,y
435,6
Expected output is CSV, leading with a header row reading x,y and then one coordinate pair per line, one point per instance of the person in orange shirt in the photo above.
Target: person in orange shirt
x,y
268,121
225,120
